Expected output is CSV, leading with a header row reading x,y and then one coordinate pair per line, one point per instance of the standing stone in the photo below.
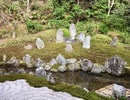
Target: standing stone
x,y
118,91
4,58
86,65
81,37
72,31
115,65
86,43
40,72
114,41
68,47
61,60
39,63
59,36
27,61
53,62
40,43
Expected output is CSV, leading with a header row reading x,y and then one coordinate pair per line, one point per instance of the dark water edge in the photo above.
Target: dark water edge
x,y
90,81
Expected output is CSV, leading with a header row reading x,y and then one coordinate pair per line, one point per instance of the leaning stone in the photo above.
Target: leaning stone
x,y
39,43
81,37
74,67
86,65
62,68
70,61
53,62
61,60
59,36
115,65
118,91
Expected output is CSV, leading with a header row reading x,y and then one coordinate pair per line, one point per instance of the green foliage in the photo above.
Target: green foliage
x,y
103,28
66,32
33,26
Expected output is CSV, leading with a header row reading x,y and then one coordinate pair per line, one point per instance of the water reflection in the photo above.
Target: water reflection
x,y
89,81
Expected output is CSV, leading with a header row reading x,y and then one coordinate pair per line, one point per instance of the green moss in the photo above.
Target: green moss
x,y
40,82
66,32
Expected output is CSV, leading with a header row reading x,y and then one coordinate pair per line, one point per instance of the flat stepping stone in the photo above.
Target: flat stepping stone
x,y
21,90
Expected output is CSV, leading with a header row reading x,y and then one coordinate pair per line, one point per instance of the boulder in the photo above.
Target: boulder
x,y
13,61
118,91
40,43
39,63
62,68
86,65
59,36
53,62
61,60
74,67
115,65
70,61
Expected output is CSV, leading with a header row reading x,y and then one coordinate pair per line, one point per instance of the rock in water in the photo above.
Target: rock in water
x,y
61,60
40,43
114,41
115,65
72,31
86,65
118,91
68,47
81,37
40,72
59,36
86,43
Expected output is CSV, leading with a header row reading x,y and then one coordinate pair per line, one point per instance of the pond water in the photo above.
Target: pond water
x,y
90,81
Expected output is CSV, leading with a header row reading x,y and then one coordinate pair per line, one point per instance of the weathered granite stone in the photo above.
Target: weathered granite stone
x,y
47,67
118,91
81,37
39,43
39,63
13,61
59,36
61,60
115,65
72,31
27,61
53,62
71,60
86,43
86,65
28,47
40,72
74,67
97,69
50,78
114,41
68,47
62,68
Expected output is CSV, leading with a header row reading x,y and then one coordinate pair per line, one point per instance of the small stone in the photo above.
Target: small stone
x,y
61,60
28,47
40,43
53,62
59,36
62,68
70,61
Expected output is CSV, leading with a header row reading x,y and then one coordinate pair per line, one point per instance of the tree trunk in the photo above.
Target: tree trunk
x,y
110,5
28,8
